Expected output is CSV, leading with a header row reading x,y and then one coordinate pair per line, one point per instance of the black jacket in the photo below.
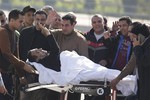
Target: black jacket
x,y
142,54
31,38
96,49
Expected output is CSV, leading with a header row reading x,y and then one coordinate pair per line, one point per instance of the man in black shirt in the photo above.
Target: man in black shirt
x,y
39,37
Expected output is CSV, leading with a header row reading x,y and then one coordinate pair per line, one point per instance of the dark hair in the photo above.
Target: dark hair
x,y
1,12
14,14
139,28
28,8
40,12
127,19
105,19
31,58
69,17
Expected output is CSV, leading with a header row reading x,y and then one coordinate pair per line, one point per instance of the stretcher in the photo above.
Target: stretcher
x,y
92,88
82,69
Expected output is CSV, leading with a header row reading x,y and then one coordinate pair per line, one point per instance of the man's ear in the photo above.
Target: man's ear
x,y
74,23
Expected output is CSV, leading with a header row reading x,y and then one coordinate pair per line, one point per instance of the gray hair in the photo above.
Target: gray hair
x,y
98,15
47,8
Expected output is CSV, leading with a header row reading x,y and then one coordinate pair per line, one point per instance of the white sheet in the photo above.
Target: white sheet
x,y
75,68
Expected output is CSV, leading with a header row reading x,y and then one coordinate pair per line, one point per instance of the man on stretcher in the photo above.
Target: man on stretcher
x,y
75,68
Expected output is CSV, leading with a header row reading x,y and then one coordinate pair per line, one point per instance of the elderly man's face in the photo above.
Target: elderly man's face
x,y
56,24
39,53
98,24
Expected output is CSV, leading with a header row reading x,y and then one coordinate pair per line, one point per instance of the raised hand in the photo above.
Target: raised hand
x,y
107,34
51,17
44,30
115,26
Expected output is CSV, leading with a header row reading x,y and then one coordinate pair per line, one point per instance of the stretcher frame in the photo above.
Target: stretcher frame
x,y
63,90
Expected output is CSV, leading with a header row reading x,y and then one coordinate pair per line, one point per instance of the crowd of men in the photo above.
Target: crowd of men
x,y
41,35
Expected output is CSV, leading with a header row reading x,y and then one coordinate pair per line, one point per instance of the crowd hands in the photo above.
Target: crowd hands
x,y
47,19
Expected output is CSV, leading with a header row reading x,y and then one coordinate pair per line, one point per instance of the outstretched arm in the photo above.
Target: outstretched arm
x,y
128,69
